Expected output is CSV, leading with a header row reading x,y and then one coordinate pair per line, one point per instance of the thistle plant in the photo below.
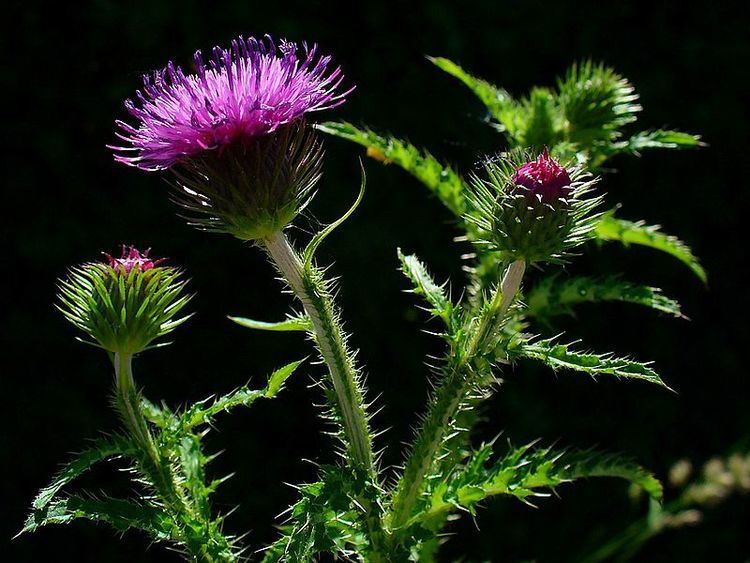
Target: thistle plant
x,y
242,157
123,306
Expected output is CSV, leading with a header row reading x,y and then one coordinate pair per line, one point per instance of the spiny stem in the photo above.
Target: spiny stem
x,y
158,469
330,339
310,288
447,400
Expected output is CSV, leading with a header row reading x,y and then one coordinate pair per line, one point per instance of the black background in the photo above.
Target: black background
x,y
64,201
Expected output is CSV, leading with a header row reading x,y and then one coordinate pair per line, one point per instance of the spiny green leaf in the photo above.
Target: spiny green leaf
x,y
426,287
120,514
499,103
524,473
325,519
101,450
561,356
658,139
611,228
277,379
291,324
203,411
440,179
555,296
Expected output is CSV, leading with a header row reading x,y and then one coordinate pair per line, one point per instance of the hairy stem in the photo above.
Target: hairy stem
x,y
197,536
329,336
309,286
448,398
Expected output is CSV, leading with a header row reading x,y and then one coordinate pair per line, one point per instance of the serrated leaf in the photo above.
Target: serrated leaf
x,y
203,411
611,228
120,514
499,103
291,324
277,379
101,450
524,473
325,519
555,296
439,178
561,356
425,286
658,139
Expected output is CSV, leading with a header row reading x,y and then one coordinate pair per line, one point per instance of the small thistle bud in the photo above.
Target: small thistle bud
x,y
532,209
234,133
125,303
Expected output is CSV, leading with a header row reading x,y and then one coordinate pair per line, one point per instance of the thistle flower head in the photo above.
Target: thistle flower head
x,y
234,133
531,208
126,303
244,92
544,178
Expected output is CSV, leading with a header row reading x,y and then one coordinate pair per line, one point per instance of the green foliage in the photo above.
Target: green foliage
x,y
585,116
319,237
325,520
440,304
348,512
101,450
611,228
555,296
441,179
203,411
500,104
123,311
290,324
561,356
173,489
121,515
524,473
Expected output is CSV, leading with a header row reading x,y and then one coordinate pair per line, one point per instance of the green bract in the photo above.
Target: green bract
x,y
123,311
252,188
520,224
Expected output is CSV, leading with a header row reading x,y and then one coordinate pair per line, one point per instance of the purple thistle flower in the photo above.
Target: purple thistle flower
x,y
544,177
243,93
132,258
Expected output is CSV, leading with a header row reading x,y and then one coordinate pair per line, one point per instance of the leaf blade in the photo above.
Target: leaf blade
x,y
626,232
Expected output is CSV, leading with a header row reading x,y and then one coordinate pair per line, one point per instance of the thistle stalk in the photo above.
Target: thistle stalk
x,y
309,287
128,401
329,337
448,398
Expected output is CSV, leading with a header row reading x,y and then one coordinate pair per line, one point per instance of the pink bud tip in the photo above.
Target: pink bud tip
x,y
132,258
544,177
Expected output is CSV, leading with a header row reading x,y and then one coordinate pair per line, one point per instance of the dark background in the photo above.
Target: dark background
x,y
65,200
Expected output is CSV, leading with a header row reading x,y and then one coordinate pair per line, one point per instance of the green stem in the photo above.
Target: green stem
x,y
309,286
311,291
160,472
447,400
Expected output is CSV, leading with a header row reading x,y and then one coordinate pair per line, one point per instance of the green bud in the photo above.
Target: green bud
x,y
533,210
126,304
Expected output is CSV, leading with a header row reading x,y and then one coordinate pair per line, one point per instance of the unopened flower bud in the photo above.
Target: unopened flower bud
x,y
125,304
531,209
